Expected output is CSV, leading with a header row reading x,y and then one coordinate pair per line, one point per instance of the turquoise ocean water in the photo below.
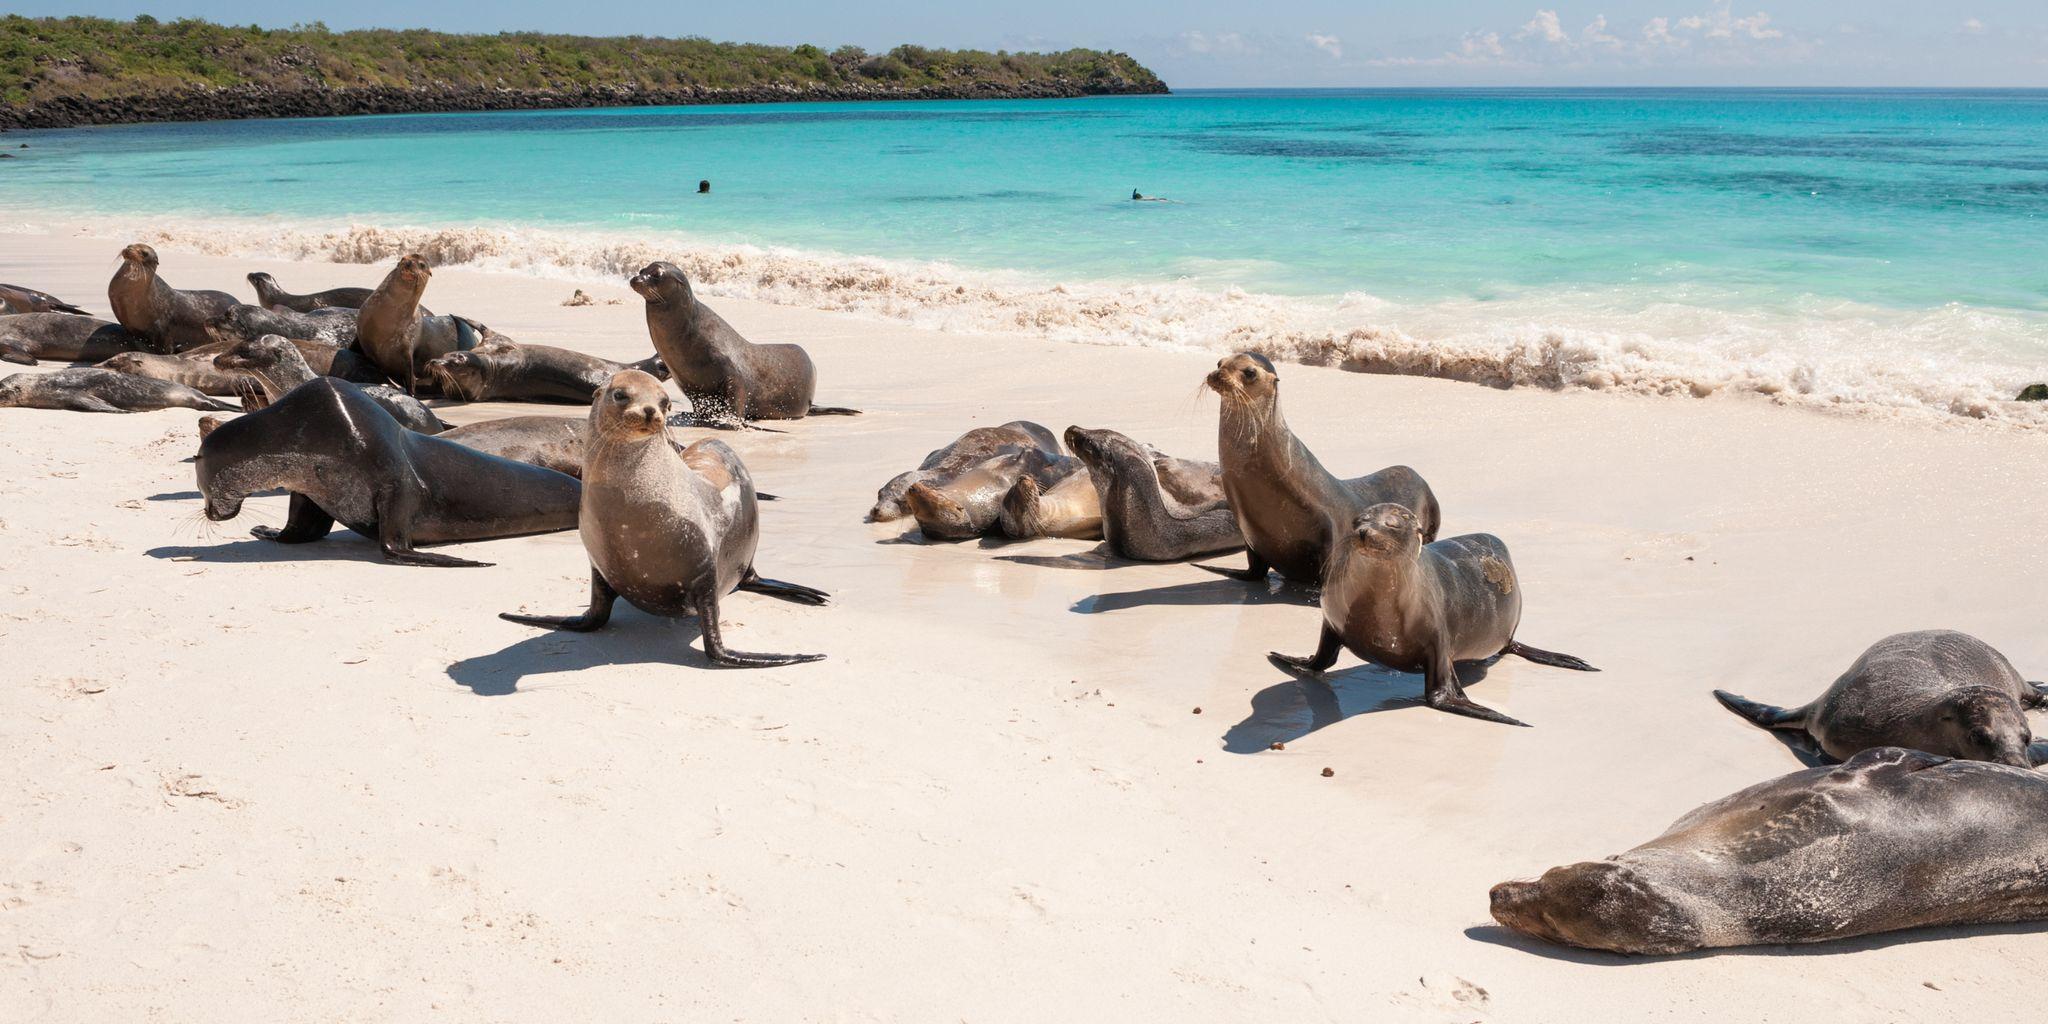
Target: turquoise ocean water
x,y
1876,248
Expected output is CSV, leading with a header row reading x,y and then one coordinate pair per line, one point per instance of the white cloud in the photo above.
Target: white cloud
x,y
1221,44
1328,44
1973,26
1481,45
1544,26
1596,33
1657,32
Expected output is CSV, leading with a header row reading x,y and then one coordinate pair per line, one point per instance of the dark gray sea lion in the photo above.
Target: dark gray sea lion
x,y
1155,509
399,336
1289,507
90,389
269,293
277,366
1940,691
332,326
343,458
964,453
16,299
1391,599
552,442
971,504
197,374
26,338
1893,839
172,320
727,378
670,532
1068,509
509,371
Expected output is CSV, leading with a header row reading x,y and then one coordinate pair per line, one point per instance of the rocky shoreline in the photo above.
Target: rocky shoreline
x,y
241,103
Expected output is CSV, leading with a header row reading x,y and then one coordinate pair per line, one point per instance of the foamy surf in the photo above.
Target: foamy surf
x,y
1946,364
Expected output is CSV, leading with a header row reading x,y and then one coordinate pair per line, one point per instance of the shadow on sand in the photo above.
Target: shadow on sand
x,y
1287,711
631,638
1217,590
335,548
1493,934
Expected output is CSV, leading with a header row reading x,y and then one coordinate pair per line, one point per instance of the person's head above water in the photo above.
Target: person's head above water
x,y
1135,194
704,186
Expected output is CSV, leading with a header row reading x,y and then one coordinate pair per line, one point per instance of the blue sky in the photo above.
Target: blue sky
x,y
1201,43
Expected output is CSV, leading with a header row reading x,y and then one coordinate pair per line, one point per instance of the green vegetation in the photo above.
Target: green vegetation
x,y
46,60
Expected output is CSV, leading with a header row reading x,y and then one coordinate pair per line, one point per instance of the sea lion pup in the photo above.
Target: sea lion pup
x,y
970,505
1940,691
1155,509
26,338
399,336
277,366
171,319
1393,600
508,371
91,389
551,442
344,458
670,532
964,453
16,299
1069,509
197,374
270,293
727,378
1892,839
1290,509
240,322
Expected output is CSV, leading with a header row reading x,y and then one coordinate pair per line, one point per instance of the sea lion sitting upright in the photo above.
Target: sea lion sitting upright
x,y
1069,508
16,299
1417,607
269,293
509,371
26,338
1155,509
399,336
670,532
277,366
727,378
344,458
1892,839
964,453
90,389
1940,691
171,319
1291,510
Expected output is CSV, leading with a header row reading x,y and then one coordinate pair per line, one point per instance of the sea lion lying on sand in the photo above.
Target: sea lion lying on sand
x,y
16,299
270,293
970,505
964,452
508,371
277,366
90,389
1069,509
333,326
29,337
197,374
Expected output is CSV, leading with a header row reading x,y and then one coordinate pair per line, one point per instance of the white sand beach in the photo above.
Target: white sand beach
x,y
251,782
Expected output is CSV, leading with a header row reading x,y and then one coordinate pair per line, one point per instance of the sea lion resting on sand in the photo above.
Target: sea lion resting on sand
x,y
197,374
26,338
401,337
269,293
726,377
1070,508
1393,600
344,458
333,326
964,453
172,320
1892,839
1291,510
1940,691
91,389
16,299
278,366
1155,508
508,371
551,442
671,533
971,504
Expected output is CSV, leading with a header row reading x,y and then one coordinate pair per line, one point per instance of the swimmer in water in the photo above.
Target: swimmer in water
x,y
704,187
1140,197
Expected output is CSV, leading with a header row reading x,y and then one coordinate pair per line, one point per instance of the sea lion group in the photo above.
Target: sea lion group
x,y
1925,809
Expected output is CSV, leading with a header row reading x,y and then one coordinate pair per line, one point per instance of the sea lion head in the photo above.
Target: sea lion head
x,y
1099,448
264,284
629,406
661,283
1387,529
139,255
1245,378
938,514
252,355
461,373
1987,725
413,270
123,362
236,321
226,475
1597,905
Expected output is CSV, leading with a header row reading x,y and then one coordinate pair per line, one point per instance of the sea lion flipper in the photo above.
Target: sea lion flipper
x,y
1551,658
1443,691
1766,716
304,523
2040,697
602,597
715,649
833,410
408,556
795,592
1253,573
1315,664
17,355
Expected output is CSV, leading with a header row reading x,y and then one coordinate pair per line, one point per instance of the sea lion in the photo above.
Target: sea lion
x,y
508,371
197,374
278,366
970,505
269,293
1416,607
552,442
332,326
399,336
1290,509
670,532
16,299
172,320
1068,509
1155,509
26,338
1940,691
90,389
964,453
344,458
1892,839
727,378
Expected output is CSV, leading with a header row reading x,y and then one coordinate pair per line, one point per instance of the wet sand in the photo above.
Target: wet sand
x,y
257,782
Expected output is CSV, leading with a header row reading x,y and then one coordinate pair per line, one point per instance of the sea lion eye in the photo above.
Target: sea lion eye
x,y
1250,375
619,394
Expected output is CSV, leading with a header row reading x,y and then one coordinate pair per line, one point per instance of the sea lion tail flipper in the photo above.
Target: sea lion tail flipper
x,y
833,410
795,592
20,356
66,307
399,554
765,496
213,405
1765,716
1551,658
715,649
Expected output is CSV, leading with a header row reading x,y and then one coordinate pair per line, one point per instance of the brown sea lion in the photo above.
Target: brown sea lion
x,y
401,339
1940,691
552,442
197,374
510,371
333,326
26,338
971,504
727,378
1391,599
278,365
1291,510
670,532
16,299
1892,839
344,458
964,453
90,389
269,293
1155,508
1068,509
172,320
